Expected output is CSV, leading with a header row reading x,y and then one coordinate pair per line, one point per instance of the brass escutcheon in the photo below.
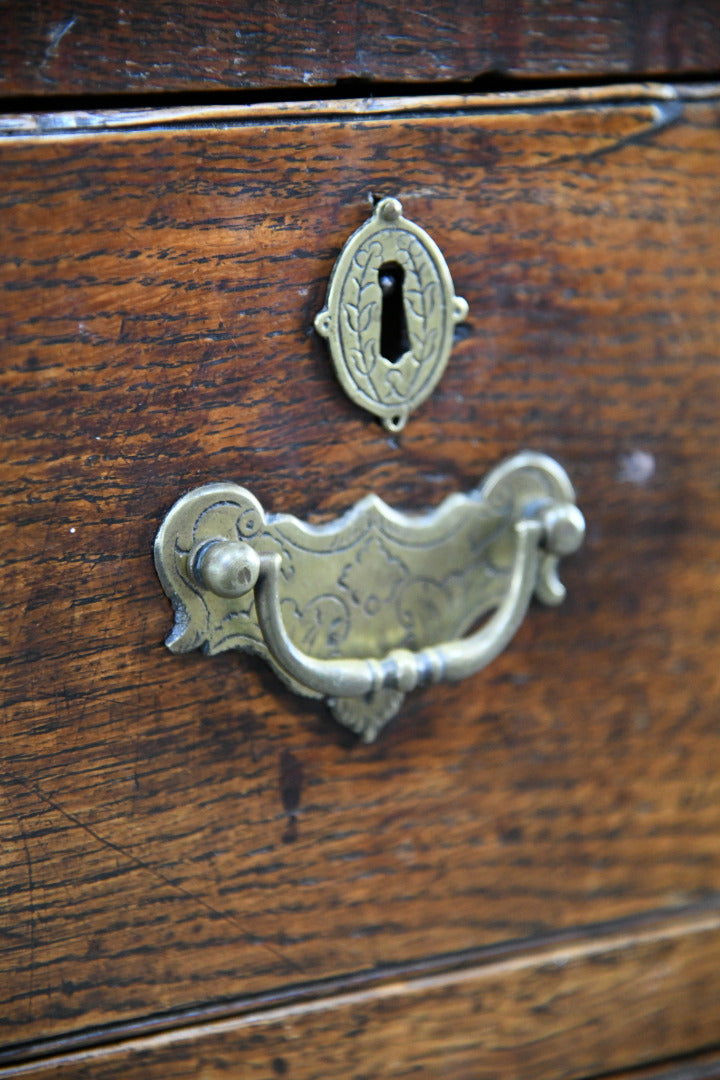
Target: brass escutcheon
x,y
390,315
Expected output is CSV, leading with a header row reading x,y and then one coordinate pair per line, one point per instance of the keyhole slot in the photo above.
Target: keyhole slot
x,y
394,342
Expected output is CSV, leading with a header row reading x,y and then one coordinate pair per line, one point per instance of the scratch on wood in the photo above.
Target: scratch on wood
x,y
56,34
31,902
664,113
250,938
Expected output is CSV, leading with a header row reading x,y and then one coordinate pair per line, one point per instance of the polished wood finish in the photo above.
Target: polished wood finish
x,y
90,47
562,1012
179,830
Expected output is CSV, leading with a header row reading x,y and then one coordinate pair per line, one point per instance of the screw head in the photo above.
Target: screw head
x,y
390,209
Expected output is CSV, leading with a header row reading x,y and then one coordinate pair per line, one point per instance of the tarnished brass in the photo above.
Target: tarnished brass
x,y
364,609
391,288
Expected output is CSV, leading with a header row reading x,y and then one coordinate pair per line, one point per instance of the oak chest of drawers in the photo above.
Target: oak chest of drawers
x,y
202,873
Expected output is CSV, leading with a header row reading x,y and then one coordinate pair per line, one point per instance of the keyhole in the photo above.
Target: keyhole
x,y
394,341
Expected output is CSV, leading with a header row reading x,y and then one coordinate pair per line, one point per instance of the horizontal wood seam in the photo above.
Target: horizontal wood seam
x,y
612,943
682,1068
44,124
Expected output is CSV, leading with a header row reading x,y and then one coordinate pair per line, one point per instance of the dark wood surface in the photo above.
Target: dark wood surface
x,y
559,1013
159,289
92,47
703,1066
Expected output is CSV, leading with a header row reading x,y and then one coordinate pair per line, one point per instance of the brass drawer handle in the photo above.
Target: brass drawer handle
x,y
363,610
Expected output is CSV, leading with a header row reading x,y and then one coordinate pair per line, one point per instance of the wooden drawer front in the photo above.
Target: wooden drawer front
x,y
92,48
567,1011
160,284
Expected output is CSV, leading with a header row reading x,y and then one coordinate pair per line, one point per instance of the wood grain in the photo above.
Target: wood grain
x,y
555,1014
90,47
159,289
